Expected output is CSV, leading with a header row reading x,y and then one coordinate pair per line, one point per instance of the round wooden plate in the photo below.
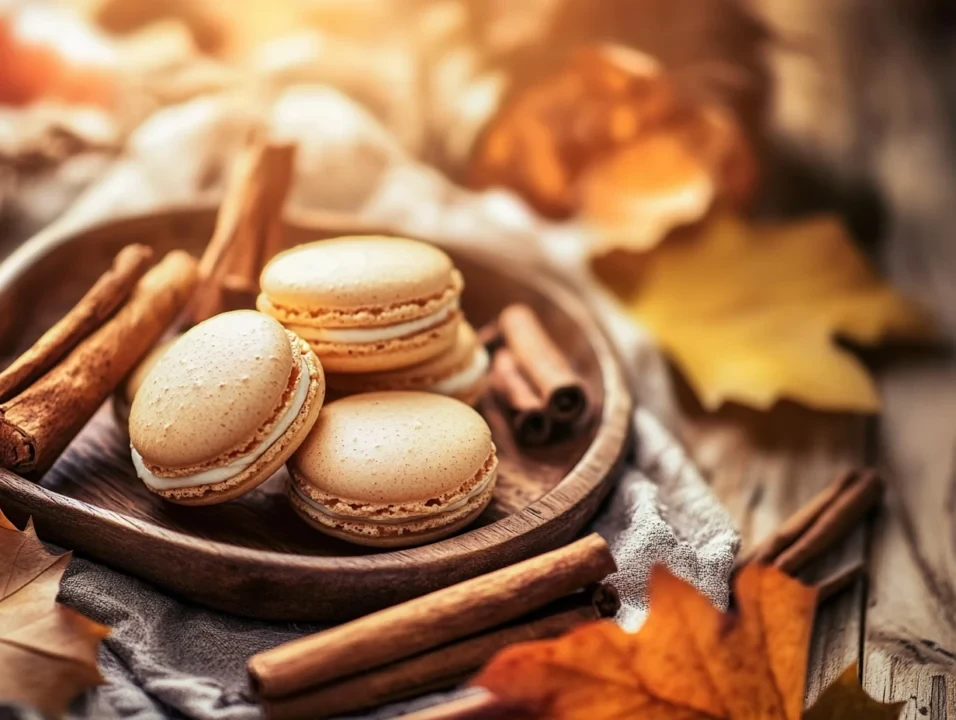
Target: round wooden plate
x,y
253,556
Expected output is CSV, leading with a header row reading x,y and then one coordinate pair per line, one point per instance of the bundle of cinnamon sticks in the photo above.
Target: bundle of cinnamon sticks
x,y
532,378
435,641
51,391
818,526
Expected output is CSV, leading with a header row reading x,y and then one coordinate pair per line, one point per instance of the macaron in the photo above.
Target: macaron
x,y
126,391
460,372
394,469
223,408
365,303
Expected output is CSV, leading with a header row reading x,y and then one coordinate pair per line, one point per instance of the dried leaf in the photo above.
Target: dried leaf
x,y
643,191
610,138
690,661
844,699
47,651
749,313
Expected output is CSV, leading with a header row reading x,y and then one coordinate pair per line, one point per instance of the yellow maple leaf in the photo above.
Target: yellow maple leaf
x,y
47,651
750,313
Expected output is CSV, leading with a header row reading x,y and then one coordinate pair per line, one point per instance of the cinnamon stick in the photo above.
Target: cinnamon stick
x,y
444,667
490,336
819,524
839,581
478,705
529,419
107,294
37,424
248,228
430,621
543,363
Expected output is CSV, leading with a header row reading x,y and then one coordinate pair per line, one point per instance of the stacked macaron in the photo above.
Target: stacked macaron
x,y
381,313
220,409
223,408
393,469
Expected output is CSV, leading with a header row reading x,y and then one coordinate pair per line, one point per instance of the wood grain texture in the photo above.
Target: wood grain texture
x,y
766,466
252,556
910,645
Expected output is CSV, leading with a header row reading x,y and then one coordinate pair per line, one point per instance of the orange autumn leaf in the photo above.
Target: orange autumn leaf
x,y
750,313
610,139
643,191
47,651
689,661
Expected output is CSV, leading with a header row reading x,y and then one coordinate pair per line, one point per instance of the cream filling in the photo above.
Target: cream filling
x,y
375,334
221,474
457,505
466,378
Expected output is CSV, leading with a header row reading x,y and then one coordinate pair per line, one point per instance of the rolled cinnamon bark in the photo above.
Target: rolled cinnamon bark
x,y
529,419
839,581
430,621
490,336
444,667
37,424
828,517
477,705
834,522
248,228
107,294
543,363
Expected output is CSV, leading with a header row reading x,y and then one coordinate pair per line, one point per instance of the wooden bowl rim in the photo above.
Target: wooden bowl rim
x,y
611,439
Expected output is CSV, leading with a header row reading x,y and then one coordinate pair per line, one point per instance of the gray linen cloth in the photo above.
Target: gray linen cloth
x,y
166,658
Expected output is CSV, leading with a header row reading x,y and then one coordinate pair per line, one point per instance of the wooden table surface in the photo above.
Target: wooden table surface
x,y
899,624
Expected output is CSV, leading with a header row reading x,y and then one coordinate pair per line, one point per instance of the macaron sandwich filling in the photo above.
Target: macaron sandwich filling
x,y
466,377
381,333
223,469
223,408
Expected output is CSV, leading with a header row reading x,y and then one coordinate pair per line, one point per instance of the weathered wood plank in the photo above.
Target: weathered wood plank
x,y
910,644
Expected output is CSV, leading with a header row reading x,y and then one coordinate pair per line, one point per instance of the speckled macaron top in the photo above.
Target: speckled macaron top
x,y
135,380
213,390
358,281
394,448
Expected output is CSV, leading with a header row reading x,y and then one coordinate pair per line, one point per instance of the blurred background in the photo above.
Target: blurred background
x,y
794,105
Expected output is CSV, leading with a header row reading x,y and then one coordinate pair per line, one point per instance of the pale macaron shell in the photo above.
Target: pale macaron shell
x,y
421,376
273,459
126,392
405,457
135,380
212,391
199,385
405,449
388,354
359,281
